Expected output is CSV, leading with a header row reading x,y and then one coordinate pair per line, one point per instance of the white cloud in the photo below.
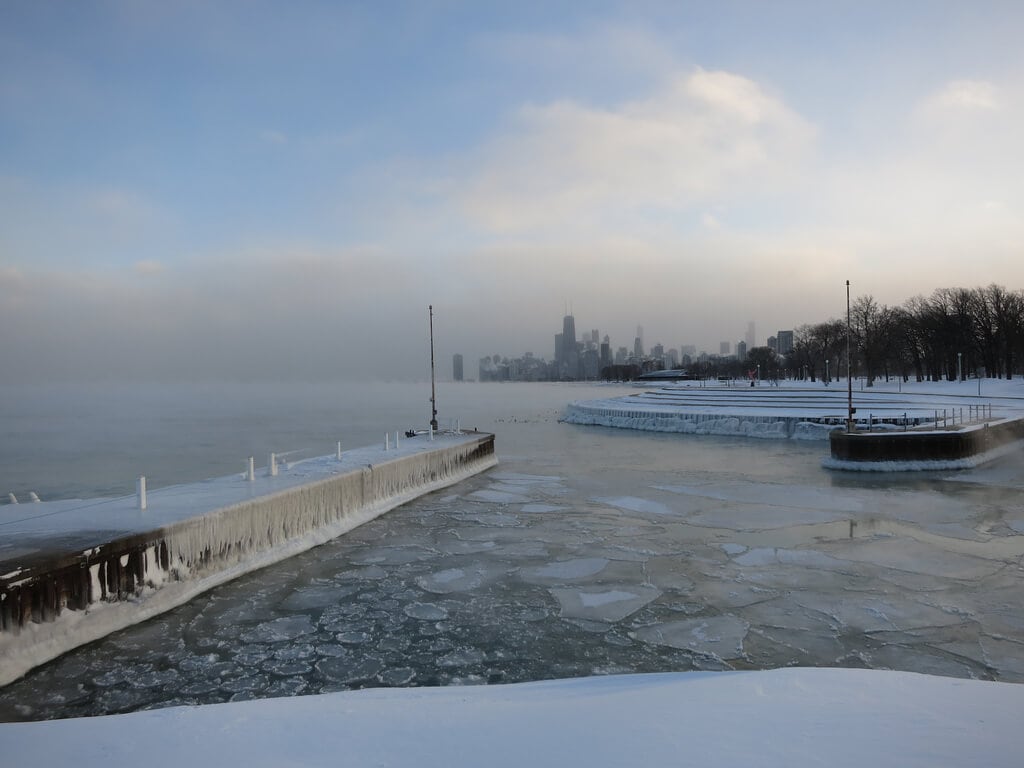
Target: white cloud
x,y
704,137
968,94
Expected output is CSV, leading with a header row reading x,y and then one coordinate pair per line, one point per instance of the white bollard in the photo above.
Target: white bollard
x,y
140,491
397,433
431,433
33,495
387,441
252,470
339,450
272,465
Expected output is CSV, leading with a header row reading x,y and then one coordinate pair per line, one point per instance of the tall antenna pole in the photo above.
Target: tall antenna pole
x,y
849,374
433,391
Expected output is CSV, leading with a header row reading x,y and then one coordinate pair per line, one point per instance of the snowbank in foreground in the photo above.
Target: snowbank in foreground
x,y
784,717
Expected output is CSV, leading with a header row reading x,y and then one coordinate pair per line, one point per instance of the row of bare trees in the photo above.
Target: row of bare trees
x,y
954,332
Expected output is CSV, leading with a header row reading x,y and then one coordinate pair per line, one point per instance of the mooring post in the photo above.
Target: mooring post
x,y
252,470
272,465
387,441
140,491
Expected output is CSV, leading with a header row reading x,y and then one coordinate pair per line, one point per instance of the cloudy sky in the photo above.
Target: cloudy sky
x,y
280,189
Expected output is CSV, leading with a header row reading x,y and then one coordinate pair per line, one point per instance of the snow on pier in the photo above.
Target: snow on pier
x,y
74,571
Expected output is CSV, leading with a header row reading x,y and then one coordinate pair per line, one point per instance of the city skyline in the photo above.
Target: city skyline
x,y
243,190
585,355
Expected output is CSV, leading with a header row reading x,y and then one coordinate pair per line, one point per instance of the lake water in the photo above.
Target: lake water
x,y
586,551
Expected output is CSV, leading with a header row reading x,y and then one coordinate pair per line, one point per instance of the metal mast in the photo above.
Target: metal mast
x,y
849,375
433,391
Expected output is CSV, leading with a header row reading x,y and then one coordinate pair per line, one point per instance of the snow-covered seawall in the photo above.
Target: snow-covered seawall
x,y
51,602
626,415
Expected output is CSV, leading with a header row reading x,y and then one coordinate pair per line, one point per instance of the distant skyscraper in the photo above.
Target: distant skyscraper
x,y
457,368
724,347
750,338
785,341
570,356
741,350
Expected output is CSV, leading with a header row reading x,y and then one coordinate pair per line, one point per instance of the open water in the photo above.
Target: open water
x,y
586,551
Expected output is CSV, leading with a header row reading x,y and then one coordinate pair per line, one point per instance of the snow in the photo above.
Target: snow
x,y
784,717
800,410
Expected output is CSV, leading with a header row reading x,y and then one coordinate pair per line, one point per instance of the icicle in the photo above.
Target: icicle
x,y
140,491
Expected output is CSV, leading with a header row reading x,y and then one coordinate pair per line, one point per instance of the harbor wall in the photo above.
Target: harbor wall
x,y
72,599
940,448
691,423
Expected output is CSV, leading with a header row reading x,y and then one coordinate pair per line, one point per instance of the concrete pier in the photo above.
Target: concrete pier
x,y
67,581
950,448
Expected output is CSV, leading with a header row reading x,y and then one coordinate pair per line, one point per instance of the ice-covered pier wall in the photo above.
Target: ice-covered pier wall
x,y
931,449
693,423
54,605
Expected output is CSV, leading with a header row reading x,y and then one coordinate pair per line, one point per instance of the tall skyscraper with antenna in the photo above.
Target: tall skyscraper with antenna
x,y
569,362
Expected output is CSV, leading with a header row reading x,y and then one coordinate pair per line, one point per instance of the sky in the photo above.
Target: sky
x,y
280,190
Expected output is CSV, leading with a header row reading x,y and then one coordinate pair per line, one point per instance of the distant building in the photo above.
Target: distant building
x,y
750,338
773,344
570,361
785,341
457,368
741,350
724,347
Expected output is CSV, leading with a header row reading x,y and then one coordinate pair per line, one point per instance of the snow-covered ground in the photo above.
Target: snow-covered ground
x,y
784,718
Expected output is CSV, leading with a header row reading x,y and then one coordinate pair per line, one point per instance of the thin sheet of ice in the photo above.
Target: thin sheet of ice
x,y
609,604
635,504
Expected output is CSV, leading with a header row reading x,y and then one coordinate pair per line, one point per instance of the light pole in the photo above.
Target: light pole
x,y
849,369
959,366
827,377
433,391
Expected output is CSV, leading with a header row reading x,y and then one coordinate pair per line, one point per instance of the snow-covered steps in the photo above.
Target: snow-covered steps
x,y
74,571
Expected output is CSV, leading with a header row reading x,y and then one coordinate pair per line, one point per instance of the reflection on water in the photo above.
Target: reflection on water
x,y
594,551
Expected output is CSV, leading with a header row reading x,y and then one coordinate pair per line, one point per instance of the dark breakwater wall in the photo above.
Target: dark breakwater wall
x,y
52,604
922,447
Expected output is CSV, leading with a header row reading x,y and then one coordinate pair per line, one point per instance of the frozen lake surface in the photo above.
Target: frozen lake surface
x,y
591,551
